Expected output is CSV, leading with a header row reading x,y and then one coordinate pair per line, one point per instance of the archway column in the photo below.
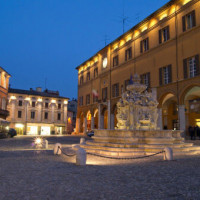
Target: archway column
x,y
160,123
109,116
112,121
100,117
181,114
78,125
92,123
85,125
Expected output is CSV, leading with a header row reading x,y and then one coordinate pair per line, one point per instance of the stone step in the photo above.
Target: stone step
x,y
119,145
129,140
139,149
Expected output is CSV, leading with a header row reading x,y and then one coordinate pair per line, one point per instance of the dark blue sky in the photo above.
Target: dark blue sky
x,y
47,39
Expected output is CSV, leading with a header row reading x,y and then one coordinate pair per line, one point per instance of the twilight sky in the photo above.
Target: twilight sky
x,y
47,39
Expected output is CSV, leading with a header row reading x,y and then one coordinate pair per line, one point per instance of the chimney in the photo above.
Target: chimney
x,y
38,89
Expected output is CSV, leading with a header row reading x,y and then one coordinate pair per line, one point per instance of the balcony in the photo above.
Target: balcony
x,y
4,113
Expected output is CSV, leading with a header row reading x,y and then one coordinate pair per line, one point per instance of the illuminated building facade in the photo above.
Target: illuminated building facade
x,y
37,112
4,84
163,50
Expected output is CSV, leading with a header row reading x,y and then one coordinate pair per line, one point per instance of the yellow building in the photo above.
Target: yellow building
x,y
37,112
164,50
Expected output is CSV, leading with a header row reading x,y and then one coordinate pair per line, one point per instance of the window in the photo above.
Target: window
x,y
88,76
144,45
165,75
115,90
115,61
95,72
126,83
81,80
128,54
46,105
191,66
32,115
20,103
164,35
145,79
59,116
189,21
59,105
19,114
104,94
87,99
3,104
81,100
4,81
33,103
95,97
46,115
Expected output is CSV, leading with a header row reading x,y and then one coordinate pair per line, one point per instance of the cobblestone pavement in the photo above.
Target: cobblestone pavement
x,y
39,175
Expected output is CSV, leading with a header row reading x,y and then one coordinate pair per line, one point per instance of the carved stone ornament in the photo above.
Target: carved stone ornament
x,y
137,109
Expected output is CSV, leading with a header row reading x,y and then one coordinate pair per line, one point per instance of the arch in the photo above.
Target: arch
x,y
96,119
164,98
190,97
168,103
81,122
185,92
89,118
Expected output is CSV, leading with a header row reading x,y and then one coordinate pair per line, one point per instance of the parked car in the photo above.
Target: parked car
x,y
90,133
12,132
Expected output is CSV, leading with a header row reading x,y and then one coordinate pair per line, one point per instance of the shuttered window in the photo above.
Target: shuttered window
x,y
115,61
165,75
144,45
145,79
104,94
115,90
191,67
128,54
126,83
164,34
189,21
87,99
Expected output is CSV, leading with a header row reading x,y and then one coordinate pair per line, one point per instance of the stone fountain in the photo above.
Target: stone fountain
x,y
137,132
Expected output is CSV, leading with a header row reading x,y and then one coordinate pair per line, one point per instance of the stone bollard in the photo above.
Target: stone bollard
x,y
82,141
168,153
46,144
57,150
81,156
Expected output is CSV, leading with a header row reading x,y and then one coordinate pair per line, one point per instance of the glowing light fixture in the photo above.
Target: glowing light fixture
x,y
144,28
19,125
115,46
136,33
128,38
122,42
40,100
65,102
12,97
186,1
27,99
53,101
163,16
96,59
152,22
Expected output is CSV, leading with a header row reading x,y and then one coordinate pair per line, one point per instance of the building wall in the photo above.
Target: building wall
x,y
181,45
39,120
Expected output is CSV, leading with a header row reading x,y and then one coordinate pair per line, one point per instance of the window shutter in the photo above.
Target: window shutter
x,y
160,36
126,55
193,18
168,33
147,43
130,52
160,76
149,80
141,79
170,73
113,90
117,90
197,64
185,68
183,24
141,46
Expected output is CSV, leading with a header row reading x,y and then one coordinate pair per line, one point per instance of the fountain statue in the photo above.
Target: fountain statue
x,y
137,132
137,109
